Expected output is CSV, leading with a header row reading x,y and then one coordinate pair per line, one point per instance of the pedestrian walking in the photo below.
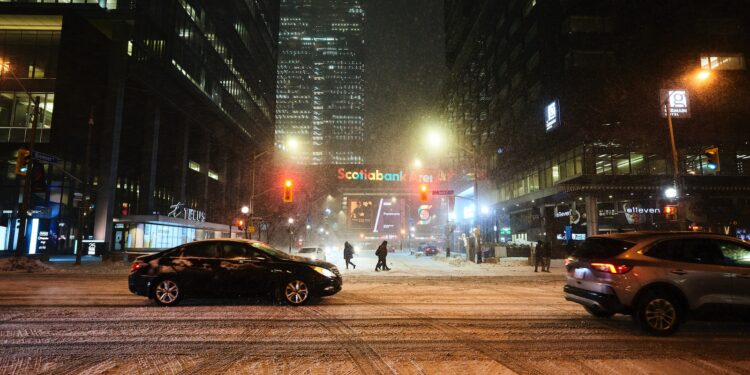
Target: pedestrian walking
x,y
538,257
349,254
382,253
546,255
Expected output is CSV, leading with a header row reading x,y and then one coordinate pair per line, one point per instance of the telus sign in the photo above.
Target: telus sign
x,y
378,175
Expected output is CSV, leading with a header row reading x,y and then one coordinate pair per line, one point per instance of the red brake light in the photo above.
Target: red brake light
x,y
611,268
137,265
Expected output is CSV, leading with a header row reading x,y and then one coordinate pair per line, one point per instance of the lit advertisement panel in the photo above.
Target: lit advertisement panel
x,y
361,213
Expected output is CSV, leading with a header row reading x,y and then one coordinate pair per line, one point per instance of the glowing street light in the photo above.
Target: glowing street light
x,y
417,163
703,75
670,192
245,210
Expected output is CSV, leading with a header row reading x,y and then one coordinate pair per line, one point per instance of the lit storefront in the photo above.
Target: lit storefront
x,y
156,232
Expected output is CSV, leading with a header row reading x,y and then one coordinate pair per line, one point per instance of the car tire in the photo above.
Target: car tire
x,y
295,292
659,313
599,313
167,292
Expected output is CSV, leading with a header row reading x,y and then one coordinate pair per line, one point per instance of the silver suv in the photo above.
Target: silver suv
x,y
659,277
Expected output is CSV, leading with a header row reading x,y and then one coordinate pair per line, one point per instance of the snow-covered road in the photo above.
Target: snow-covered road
x,y
437,319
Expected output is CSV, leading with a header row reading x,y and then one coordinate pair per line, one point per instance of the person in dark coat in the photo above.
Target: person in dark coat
x,y
546,255
382,252
538,256
349,254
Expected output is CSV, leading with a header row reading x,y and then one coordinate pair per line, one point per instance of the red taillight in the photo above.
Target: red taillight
x,y
137,265
611,268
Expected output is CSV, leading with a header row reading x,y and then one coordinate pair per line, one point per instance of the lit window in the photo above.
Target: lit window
x,y
213,175
194,166
723,62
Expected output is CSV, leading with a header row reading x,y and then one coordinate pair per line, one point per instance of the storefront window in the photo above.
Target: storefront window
x,y
622,164
743,162
604,164
638,163
656,165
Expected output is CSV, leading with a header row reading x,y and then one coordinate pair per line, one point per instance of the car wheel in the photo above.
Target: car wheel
x,y
167,292
599,313
296,292
659,313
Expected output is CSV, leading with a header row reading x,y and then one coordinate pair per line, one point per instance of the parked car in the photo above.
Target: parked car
x,y
312,253
231,267
659,278
427,249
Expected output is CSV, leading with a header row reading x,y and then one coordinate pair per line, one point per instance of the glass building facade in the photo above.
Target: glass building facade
x,y
320,91
560,100
174,95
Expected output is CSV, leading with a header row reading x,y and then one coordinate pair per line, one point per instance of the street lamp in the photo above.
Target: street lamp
x,y
677,191
435,140
245,211
291,233
22,212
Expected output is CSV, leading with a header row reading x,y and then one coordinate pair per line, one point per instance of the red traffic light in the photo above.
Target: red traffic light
x,y
423,193
287,196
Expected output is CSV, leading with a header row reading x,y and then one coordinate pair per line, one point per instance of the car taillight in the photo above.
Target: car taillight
x,y
137,265
611,267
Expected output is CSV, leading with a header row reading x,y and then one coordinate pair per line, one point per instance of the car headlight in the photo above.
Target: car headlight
x,y
323,271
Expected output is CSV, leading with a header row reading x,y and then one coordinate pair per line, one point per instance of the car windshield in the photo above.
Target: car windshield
x,y
602,248
307,250
270,250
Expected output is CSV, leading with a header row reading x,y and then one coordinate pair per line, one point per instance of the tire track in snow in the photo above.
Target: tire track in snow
x,y
366,358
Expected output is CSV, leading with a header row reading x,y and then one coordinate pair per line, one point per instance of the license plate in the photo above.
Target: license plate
x,y
579,273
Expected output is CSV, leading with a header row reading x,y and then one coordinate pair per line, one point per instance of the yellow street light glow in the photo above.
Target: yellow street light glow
x,y
288,183
293,144
434,138
703,75
417,163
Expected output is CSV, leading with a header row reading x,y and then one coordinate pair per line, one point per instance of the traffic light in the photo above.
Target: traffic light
x,y
23,158
712,159
241,224
288,195
670,212
424,194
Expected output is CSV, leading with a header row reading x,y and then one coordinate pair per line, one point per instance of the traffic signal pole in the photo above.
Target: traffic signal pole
x,y
83,206
23,211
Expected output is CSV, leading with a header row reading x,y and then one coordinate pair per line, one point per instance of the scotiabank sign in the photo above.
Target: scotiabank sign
x,y
378,175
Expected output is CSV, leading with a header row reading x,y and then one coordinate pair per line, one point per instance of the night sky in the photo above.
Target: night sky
x,y
404,69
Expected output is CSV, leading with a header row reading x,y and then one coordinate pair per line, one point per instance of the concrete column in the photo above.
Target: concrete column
x,y
149,159
183,157
592,215
109,153
205,163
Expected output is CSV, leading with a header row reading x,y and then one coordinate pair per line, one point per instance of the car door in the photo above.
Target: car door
x,y
696,266
245,269
737,256
198,267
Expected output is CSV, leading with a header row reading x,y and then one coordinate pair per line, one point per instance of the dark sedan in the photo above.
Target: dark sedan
x,y
226,268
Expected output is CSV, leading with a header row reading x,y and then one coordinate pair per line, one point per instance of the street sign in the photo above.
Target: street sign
x,y
443,192
678,102
45,158
251,229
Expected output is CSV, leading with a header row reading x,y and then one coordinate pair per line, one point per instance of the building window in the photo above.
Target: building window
x,y
194,166
213,175
723,62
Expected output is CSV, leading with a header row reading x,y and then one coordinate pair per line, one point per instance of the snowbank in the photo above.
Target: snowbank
x,y
23,264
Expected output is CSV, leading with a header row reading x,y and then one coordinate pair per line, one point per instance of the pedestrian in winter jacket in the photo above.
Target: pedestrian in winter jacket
x,y
349,254
382,252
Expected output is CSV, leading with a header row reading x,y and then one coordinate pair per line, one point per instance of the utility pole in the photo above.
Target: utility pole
x,y
83,207
23,212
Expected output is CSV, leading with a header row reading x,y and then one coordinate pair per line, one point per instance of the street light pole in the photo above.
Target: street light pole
x,y
22,212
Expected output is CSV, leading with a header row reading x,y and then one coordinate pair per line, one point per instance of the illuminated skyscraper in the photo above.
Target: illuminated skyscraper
x,y
320,91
